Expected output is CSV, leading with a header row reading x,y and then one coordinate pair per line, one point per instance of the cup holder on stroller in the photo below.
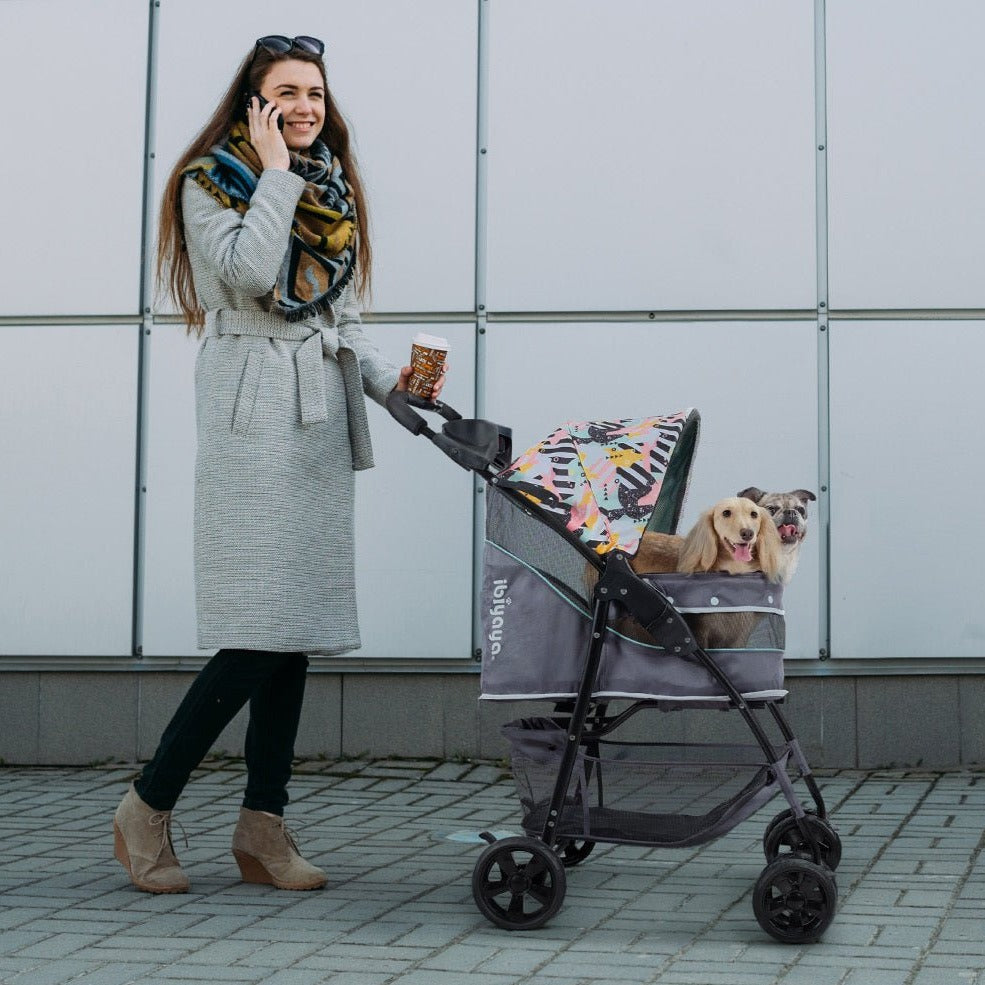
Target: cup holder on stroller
x,y
479,436
475,444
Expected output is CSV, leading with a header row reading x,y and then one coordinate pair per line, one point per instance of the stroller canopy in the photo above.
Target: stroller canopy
x,y
608,481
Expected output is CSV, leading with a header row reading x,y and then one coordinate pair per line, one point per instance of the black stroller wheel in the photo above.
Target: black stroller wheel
x,y
783,836
794,899
573,852
778,819
518,883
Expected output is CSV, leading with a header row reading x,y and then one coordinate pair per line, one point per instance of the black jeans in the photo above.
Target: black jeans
x,y
273,683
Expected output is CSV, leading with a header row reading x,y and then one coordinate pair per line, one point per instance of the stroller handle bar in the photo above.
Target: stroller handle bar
x,y
400,403
472,443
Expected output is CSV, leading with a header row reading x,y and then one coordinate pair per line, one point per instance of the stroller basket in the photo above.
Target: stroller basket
x,y
635,793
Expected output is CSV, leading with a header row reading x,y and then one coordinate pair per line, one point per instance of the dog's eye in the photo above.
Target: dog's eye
x,y
772,510
801,511
726,512
754,515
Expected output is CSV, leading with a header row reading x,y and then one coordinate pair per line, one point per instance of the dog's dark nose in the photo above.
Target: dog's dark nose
x,y
746,534
790,516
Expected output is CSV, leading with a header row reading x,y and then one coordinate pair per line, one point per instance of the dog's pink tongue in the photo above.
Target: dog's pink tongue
x,y
742,552
787,530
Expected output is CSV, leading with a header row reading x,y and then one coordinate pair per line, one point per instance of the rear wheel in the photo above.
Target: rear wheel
x,y
795,899
518,883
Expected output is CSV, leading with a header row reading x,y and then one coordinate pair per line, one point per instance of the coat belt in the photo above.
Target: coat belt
x,y
310,370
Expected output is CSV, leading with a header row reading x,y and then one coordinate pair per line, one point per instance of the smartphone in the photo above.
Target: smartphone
x,y
263,102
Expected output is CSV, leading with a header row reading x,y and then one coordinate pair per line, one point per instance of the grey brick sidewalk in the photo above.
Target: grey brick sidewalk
x,y
398,907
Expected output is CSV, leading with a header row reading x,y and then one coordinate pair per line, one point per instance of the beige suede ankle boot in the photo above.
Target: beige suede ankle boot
x,y
266,853
142,838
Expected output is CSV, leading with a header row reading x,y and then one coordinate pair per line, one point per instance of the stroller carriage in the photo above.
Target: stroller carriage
x,y
566,619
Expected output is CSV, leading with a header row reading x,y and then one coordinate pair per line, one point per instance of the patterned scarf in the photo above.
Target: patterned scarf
x,y
321,255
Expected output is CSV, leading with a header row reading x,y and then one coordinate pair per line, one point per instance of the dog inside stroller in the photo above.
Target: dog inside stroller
x,y
567,620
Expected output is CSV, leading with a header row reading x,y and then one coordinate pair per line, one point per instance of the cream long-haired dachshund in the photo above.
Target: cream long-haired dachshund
x,y
735,536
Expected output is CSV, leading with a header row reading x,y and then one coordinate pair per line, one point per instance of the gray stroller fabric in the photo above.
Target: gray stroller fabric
x,y
537,626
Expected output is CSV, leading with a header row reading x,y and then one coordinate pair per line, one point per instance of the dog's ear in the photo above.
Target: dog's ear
x,y
700,550
751,493
804,495
769,549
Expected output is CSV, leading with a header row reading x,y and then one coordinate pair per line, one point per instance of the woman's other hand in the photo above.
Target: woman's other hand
x,y
405,374
267,140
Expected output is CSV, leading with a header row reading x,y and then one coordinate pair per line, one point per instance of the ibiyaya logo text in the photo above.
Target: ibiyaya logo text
x,y
496,613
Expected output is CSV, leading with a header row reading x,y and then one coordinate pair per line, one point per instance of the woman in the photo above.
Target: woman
x,y
265,238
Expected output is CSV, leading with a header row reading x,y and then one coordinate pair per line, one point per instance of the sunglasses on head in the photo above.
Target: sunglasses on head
x,y
277,44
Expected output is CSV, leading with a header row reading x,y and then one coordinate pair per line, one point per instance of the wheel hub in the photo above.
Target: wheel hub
x,y
796,901
519,884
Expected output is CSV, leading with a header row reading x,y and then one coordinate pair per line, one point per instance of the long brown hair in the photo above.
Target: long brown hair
x,y
174,272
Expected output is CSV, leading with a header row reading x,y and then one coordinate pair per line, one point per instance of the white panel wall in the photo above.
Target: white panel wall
x,y
414,521
75,79
644,154
907,539
414,514
906,153
405,76
68,404
754,384
651,154
169,575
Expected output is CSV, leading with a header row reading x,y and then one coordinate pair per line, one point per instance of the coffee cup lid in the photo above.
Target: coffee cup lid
x,y
431,341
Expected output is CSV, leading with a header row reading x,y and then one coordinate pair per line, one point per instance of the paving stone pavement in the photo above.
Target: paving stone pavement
x,y
398,907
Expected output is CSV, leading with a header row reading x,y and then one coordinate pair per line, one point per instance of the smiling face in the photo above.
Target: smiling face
x,y
736,521
299,90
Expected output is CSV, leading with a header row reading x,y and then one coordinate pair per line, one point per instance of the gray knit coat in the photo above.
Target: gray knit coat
x,y
280,420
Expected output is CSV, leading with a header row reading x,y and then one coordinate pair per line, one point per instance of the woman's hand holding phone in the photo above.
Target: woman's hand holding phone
x,y
265,135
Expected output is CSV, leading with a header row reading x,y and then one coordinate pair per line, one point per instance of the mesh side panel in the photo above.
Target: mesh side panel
x,y
509,527
722,630
535,783
769,632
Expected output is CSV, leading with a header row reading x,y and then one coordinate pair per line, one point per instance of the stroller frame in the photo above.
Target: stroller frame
x,y
795,896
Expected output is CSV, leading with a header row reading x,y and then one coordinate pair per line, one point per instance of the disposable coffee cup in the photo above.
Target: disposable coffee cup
x,y
427,357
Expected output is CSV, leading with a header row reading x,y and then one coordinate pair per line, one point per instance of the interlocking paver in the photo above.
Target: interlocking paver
x,y
398,908
216,973
58,946
53,972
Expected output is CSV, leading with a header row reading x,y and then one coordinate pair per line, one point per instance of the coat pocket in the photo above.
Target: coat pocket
x,y
246,396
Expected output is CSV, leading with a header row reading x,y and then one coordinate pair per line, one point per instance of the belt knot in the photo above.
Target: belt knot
x,y
309,363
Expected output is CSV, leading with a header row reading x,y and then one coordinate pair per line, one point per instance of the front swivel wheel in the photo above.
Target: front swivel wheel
x,y
518,883
794,899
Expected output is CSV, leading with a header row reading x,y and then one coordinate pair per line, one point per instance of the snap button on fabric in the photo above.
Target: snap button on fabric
x,y
714,600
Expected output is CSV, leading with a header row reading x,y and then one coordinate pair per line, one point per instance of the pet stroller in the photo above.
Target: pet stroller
x,y
566,619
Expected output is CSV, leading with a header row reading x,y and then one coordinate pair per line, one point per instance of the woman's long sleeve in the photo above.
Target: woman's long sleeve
x,y
379,374
247,251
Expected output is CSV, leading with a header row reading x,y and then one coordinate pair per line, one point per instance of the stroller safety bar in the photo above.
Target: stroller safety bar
x,y
473,443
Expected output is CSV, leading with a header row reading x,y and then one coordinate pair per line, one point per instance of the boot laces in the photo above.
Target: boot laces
x,y
289,835
165,820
